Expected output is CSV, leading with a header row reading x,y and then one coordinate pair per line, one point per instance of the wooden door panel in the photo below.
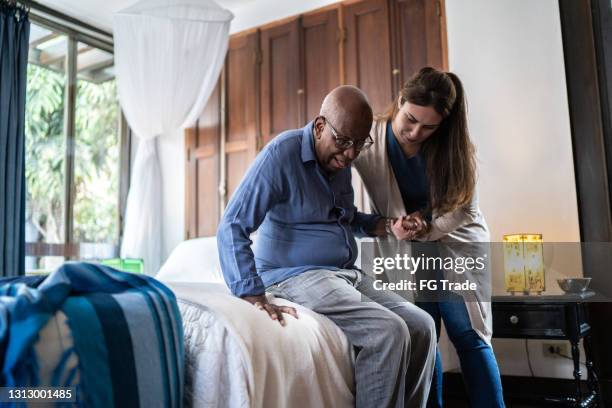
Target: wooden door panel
x,y
417,38
434,16
239,163
280,72
321,56
241,65
202,170
367,50
208,202
242,76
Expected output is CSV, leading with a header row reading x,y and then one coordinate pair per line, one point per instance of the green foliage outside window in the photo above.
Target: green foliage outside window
x,y
96,160
45,152
96,163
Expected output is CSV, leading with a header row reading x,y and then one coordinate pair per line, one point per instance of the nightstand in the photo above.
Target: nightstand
x,y
562,317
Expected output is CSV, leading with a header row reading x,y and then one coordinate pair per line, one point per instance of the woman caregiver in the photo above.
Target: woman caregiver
x,y
422,163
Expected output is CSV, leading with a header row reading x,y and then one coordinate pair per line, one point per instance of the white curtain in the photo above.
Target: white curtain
x,y
168,57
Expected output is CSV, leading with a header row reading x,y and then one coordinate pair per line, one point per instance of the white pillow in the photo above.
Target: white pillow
x,y
197,260
194,260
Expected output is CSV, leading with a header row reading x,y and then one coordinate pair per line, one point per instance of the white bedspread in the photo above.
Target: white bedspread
x,y
238,357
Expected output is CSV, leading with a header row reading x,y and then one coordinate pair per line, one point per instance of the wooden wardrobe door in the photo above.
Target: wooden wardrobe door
x,y
242,76
280,74
418,36
320,37
367,50
202,170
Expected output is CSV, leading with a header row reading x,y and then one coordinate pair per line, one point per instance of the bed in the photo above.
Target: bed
x,y
236,356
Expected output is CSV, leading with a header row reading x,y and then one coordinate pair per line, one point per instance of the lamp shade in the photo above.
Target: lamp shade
x,y
524,263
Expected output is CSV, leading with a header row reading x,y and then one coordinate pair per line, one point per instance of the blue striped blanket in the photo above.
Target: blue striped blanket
x,y
125,339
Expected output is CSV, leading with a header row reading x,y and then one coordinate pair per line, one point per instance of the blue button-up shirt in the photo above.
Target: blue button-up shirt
x,y
304,219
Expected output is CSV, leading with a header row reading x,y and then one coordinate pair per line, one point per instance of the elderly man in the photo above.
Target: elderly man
x,y
298,196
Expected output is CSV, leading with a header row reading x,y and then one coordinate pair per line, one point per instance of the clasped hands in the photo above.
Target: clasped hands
x,y
408,227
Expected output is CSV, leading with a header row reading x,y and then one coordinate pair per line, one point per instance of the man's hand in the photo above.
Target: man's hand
x,y
415,223
403,228
275,312
408,227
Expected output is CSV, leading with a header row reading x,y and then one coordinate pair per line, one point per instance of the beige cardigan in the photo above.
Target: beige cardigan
x,y
465,224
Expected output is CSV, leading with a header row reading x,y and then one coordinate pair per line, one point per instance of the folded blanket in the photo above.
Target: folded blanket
x,y
125,346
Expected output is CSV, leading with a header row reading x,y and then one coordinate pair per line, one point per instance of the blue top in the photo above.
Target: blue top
x,y
305,219
410,173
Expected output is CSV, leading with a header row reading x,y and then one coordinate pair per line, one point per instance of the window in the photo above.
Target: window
x,y
96,152
74,141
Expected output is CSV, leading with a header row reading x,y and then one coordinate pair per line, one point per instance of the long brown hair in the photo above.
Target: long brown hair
x,y
449,152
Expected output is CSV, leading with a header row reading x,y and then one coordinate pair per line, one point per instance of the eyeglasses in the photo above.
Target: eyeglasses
x,y
345,143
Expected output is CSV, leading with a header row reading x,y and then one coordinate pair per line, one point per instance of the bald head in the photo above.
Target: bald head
x,y
345,116
347,106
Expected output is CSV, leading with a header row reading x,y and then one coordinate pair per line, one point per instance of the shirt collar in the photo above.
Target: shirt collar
x,y
308,152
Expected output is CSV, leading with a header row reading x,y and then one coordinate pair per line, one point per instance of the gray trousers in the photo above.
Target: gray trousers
x,y
395,340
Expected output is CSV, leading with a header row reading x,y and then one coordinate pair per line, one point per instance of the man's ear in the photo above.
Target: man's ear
x,y
318,126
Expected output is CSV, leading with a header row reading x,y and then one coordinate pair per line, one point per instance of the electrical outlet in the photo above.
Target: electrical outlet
x,y
553,350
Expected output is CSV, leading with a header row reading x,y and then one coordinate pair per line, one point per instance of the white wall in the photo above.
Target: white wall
x,y
509,55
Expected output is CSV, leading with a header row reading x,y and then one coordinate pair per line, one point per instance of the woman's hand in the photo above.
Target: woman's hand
x,y
400,232
408,227
415,223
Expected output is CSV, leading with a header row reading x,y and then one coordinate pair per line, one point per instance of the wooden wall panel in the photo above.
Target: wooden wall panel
x,y
417,38
320,34
208,199
367,50
242,115
202,171
238,161
280,75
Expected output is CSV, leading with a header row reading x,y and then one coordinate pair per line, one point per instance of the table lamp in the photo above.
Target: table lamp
x,y
524,263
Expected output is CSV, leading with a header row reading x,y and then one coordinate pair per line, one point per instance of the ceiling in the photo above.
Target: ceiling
x,y
99,12
48,48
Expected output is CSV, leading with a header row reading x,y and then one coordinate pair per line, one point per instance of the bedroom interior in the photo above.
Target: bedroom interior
x,y
538,79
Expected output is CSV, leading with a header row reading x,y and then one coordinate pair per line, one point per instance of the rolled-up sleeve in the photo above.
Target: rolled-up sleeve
x,y
259,190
